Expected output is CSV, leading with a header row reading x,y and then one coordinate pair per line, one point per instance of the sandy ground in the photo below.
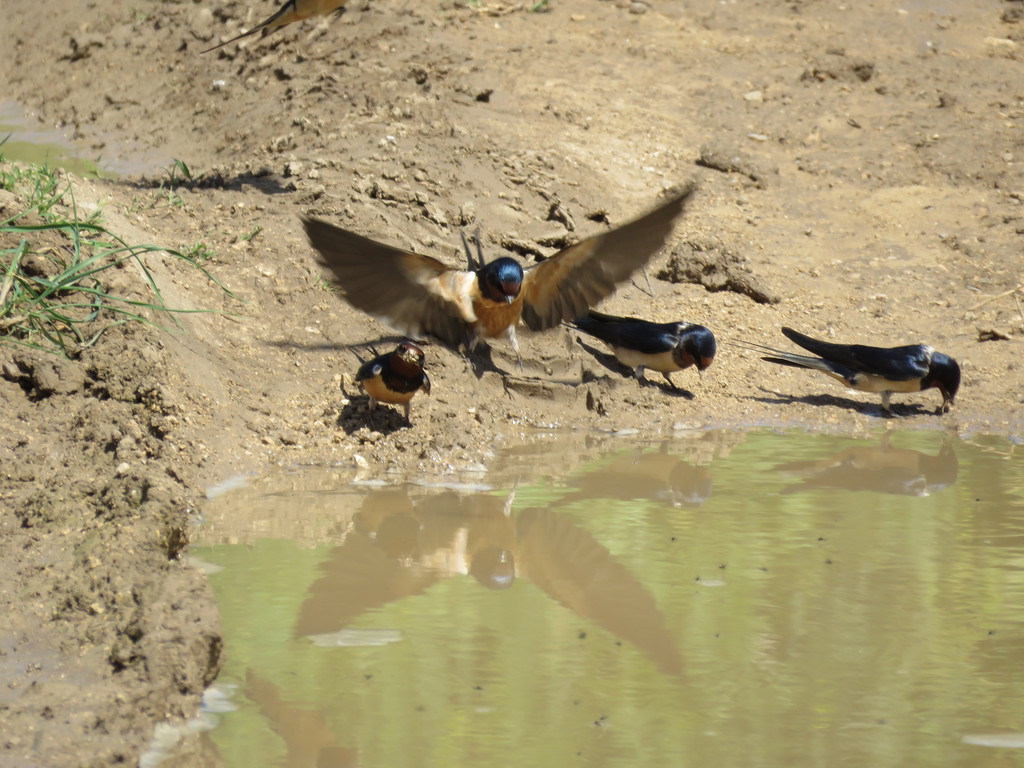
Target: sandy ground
x,y
859,170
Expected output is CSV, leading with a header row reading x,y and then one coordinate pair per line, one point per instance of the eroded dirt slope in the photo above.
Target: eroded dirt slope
x,y
859,171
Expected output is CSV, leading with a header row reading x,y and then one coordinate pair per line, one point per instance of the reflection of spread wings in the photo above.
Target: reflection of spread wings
x,y
414,294
575,279
357,577
411,549
568,563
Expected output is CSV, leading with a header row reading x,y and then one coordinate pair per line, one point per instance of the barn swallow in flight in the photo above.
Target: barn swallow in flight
x,y
292,10
419,294
639,344
913,368
394,377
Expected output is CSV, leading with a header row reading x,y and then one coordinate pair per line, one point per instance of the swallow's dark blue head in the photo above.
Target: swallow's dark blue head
x,y
944,375
501,280
699,343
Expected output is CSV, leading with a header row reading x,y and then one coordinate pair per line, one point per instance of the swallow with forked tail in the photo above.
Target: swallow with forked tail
x,y
394,377
913,368
292,10
418,294
639,344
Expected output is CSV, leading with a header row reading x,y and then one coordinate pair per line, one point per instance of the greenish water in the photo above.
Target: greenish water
x,y
719,599
22,140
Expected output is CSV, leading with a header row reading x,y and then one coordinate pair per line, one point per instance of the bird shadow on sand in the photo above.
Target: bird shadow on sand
x,y
845,403
611,363
381,344
355,415
179,177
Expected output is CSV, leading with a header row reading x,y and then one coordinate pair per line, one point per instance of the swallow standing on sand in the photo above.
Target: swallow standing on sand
x,y
395,377
913,368
639,344
292,10
418,294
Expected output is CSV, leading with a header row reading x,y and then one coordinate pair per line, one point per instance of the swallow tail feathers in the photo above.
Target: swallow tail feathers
x,y
290,11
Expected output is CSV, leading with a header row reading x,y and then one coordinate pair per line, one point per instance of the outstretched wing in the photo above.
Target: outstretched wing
x,y
895,363
413,294
573,280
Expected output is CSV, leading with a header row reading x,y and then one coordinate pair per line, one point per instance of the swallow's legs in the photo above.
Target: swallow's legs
x,y
369,410
469,348
886,405
408,412
504,385
638,373
670,382
650,288
511,333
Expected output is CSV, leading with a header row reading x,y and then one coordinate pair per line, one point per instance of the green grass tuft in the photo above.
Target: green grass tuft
x,y
56,268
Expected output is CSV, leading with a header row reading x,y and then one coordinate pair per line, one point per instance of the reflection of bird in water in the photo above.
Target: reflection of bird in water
x,y
399,547
690,486
308,738
881,468
638,475
573,568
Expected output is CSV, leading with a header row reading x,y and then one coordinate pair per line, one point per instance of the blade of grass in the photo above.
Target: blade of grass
x,y
63,310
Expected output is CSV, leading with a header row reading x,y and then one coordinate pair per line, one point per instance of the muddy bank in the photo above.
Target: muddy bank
x,y
107,629
859,179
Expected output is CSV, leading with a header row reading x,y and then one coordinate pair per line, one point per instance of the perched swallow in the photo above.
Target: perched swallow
x,y
418,294
639,344
913,368
292,10
395,377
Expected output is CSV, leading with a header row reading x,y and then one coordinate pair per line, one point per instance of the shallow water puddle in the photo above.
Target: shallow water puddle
x,y
723,598
22,140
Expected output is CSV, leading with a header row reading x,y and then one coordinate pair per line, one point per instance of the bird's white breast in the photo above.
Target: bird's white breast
x,y
869,382
663,362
